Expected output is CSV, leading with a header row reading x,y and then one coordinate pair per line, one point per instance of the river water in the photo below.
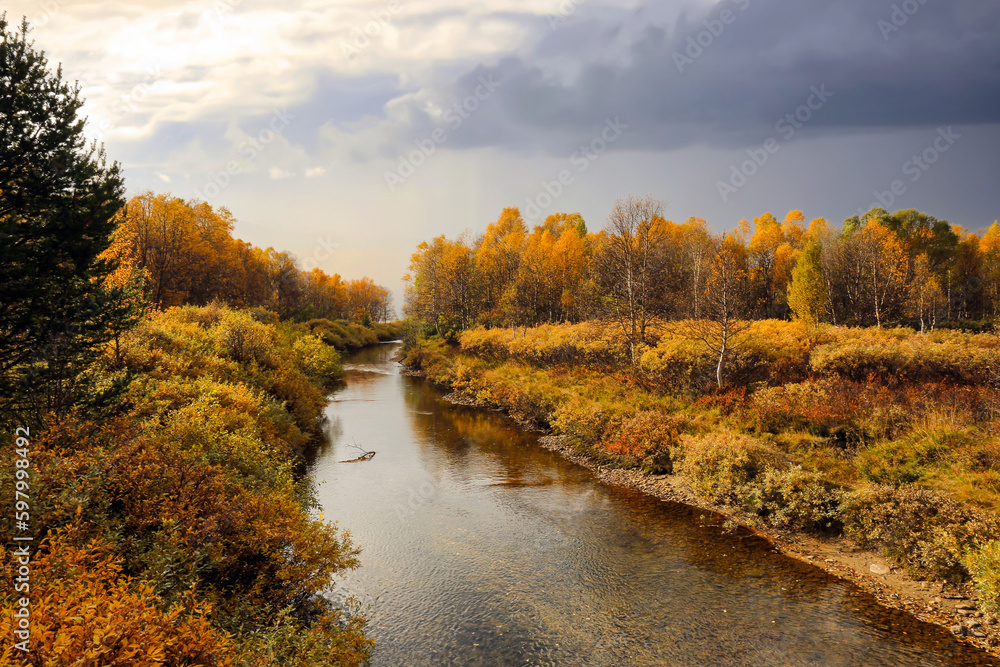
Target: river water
x,y
481,548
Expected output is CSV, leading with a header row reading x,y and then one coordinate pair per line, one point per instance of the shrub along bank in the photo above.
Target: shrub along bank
x,y
887,436
175,531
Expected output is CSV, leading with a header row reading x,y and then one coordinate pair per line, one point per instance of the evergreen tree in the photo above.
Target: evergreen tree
x,y
58,197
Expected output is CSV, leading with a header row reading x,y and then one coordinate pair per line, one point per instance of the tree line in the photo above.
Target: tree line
x,y
879,269
185,253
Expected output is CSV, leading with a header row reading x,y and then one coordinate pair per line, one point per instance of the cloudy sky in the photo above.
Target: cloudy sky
x,y
348,131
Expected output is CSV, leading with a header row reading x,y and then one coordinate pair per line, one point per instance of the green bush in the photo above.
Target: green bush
x,y
800,500
983,563
722,466
925,531
319,361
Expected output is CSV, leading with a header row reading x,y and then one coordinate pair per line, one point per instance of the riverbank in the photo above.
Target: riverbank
x,y
178,517
933,602
950,606
890,577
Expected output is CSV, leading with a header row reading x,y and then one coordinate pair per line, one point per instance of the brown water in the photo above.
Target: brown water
x,y
481,548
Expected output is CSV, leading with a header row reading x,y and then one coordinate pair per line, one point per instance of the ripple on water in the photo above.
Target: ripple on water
x,y
480,548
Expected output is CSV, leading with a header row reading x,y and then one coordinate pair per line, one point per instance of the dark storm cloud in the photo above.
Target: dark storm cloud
x,y
888,64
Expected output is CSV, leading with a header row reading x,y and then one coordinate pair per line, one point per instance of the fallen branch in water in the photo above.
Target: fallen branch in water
x,y
364,456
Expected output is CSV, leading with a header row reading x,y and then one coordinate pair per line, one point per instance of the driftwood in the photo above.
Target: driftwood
x,y
364,456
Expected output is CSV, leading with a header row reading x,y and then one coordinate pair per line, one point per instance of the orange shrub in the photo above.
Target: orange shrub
x,y
649,437
84,611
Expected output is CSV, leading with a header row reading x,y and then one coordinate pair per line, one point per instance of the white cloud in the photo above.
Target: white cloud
x,y
212,65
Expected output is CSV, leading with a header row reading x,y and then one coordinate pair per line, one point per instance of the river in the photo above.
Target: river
x,y
481,548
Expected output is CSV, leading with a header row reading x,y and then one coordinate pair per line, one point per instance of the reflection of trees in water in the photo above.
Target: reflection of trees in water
x,y
376,355
619,578
327,437
462,434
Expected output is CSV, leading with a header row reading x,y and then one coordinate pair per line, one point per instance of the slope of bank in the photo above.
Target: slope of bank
x,y
172,529
831,483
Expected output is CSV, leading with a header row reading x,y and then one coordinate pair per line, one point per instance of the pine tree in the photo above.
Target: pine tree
x,y
58,198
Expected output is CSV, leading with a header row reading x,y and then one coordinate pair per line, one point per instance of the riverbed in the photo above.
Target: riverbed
x,y
480,547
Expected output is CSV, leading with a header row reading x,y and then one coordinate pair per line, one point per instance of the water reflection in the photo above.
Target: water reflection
x,y
482,548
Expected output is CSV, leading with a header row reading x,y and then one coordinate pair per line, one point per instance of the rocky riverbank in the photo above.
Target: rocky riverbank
x,y
940,603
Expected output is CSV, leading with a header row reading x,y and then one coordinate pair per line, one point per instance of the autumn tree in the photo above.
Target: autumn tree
x,y
288,281
571,261
867,267
926,299
326,295
989,249
883,265
962,278
552,269
252,278
368,302
631,267
497,260
786,256
773,250
807,292
924,234
214,264
762,248
439,289
696,248
727,304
